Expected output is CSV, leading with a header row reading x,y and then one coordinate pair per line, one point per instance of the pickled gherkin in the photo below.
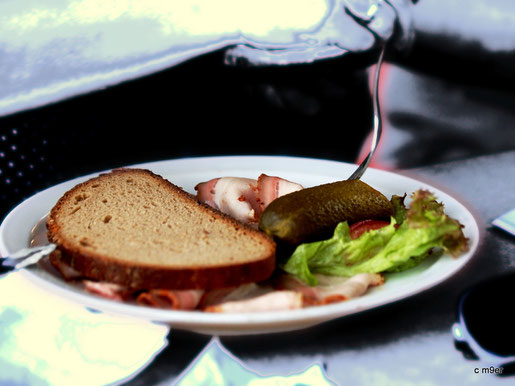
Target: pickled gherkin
x,y
313,213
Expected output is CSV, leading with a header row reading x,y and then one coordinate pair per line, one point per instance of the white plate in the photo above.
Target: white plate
x,y
16,228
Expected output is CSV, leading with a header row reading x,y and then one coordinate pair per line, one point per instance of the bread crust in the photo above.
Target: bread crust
x,y
142,276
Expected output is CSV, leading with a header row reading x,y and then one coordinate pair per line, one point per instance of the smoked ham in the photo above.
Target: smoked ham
x,y
271,301
171,299
107,290
244,198
290,293
234,196
331,289
269,188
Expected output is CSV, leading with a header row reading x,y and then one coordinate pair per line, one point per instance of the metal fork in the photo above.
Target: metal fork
x,y
378,123
23,258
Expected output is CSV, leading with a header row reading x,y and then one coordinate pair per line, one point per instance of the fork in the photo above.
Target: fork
x,y
378,123
23,258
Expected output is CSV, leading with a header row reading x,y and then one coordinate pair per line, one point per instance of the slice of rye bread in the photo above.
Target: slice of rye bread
x,y
135,228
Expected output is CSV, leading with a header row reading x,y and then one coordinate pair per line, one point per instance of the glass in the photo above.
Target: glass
x,y
485,329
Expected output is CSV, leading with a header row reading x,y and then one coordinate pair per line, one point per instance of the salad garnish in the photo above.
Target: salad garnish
x,y
414,233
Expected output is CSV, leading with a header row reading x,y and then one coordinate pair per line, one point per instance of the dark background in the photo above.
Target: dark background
x,y
201,107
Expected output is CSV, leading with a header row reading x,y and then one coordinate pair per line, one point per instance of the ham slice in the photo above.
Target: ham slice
x,y
160,298
269,188
289,293
251,298
231,195
107,290
206,192
244,198
271,301
171,299
331,289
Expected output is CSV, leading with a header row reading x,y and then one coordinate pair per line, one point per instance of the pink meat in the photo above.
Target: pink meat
x,y
244,198
271,301
231,195
171,299
161,298
206,192
269,188
250,297
331,288
107,290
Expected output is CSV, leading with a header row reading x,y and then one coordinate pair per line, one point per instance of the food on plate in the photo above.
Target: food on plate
x,y
360,227
314,212
133,228
332,289
414,233
363,245
130,235
244,198
286,292
270,301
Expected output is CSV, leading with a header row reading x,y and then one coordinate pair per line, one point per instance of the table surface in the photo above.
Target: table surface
x,y
408,342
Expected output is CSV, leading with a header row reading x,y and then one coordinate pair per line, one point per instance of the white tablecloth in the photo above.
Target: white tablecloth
x,y
46,339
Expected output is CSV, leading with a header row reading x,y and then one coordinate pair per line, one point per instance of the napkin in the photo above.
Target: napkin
x,y
506,222
215,365
56,49
46,339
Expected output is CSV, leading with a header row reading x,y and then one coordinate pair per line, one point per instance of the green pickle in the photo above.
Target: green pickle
x,y
313,213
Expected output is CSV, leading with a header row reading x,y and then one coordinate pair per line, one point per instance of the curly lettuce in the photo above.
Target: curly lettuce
x,y
413,234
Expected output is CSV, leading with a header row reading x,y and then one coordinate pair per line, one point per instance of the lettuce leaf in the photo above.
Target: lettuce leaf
x,y
413,234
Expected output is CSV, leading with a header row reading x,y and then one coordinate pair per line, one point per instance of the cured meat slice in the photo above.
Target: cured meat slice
x,y
331,289
271,301
171,299
244,198
107,290
269,188
234,196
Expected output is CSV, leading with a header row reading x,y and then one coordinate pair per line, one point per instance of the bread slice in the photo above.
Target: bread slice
x,y
135,228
